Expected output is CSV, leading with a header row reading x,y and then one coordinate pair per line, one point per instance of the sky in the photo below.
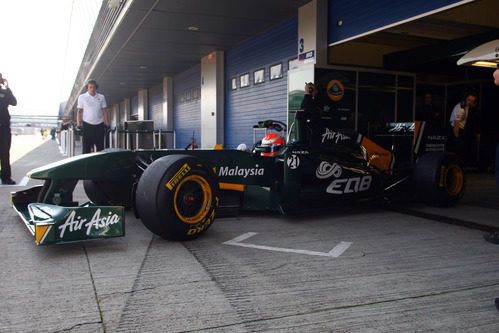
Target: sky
x,y
42,45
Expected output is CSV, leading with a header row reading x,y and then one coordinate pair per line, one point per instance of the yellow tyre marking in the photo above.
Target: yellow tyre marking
x,y
453,179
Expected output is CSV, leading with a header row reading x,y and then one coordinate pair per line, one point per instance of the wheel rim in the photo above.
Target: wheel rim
x,y
192,200
454,179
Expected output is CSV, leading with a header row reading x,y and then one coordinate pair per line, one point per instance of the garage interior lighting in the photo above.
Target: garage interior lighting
x,y
488,64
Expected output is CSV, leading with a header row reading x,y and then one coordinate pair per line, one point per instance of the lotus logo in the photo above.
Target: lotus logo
x,y
326,170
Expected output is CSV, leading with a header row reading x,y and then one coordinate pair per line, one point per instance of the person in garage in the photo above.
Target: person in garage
x,y
308,119
465,124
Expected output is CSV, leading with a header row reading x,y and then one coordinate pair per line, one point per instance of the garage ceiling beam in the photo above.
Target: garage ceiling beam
x,y
444,50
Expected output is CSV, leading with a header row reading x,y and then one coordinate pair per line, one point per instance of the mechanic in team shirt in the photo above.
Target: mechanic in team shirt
x,y
92,114
465,123
6,99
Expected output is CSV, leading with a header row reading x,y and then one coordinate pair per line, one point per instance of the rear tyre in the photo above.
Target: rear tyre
x,y
438,178
177,196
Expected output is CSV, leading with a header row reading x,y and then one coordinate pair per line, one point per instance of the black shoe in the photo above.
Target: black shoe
x,y
8,182
492,238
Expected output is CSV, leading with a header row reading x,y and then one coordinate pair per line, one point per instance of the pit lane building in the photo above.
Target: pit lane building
x,y
213,69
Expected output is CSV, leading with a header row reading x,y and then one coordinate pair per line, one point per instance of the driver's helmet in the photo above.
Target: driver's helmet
x,y
271,143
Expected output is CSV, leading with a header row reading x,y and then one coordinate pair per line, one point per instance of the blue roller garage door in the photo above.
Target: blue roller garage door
x,y
245,106
187,106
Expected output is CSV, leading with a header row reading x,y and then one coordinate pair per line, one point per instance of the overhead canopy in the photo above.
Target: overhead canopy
x,y
135,45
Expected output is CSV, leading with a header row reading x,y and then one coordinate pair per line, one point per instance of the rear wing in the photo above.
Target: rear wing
x,y
398,144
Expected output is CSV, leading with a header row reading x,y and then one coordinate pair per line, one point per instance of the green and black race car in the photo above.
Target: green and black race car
x,y
178,193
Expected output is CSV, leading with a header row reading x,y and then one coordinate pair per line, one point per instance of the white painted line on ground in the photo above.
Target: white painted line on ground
x,y
24,181
339,249
335,252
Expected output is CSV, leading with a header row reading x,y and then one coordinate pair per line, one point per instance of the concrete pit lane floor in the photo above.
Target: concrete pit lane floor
x,y
360,268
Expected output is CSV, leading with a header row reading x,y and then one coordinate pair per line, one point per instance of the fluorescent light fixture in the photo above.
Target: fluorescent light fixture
x,y
488,64
193,28
485,55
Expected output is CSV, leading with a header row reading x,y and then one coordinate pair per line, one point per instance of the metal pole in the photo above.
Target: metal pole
x,y
110,139
63,141
153,140
71,143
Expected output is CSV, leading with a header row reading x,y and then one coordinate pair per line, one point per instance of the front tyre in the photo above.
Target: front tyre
x,y
177,196
438,178
109,193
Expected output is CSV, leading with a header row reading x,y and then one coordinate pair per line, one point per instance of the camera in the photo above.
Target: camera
x,y
310,88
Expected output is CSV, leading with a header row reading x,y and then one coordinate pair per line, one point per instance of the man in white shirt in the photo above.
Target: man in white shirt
x,y
464,139
92,114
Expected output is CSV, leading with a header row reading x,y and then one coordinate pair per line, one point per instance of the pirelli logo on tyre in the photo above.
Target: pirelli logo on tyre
x,y
178,176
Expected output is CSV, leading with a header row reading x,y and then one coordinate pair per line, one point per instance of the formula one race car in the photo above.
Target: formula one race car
x,y
178,193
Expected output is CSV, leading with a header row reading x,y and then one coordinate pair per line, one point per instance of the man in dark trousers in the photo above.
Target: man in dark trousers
x,y
494,237
92,114
6,99
465,123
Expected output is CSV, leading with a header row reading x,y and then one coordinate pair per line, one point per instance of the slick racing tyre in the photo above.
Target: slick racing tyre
x,y
109,193
438,178
177,196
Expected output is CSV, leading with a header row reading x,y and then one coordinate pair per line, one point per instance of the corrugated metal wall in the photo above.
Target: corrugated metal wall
x,y
187,106
155,106
244,107
359,16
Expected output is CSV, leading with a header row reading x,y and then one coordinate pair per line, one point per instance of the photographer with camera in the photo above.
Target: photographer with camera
x,y
6,99
308,120
92,114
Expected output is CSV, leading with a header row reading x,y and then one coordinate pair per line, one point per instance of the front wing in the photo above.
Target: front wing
x,y
52,224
